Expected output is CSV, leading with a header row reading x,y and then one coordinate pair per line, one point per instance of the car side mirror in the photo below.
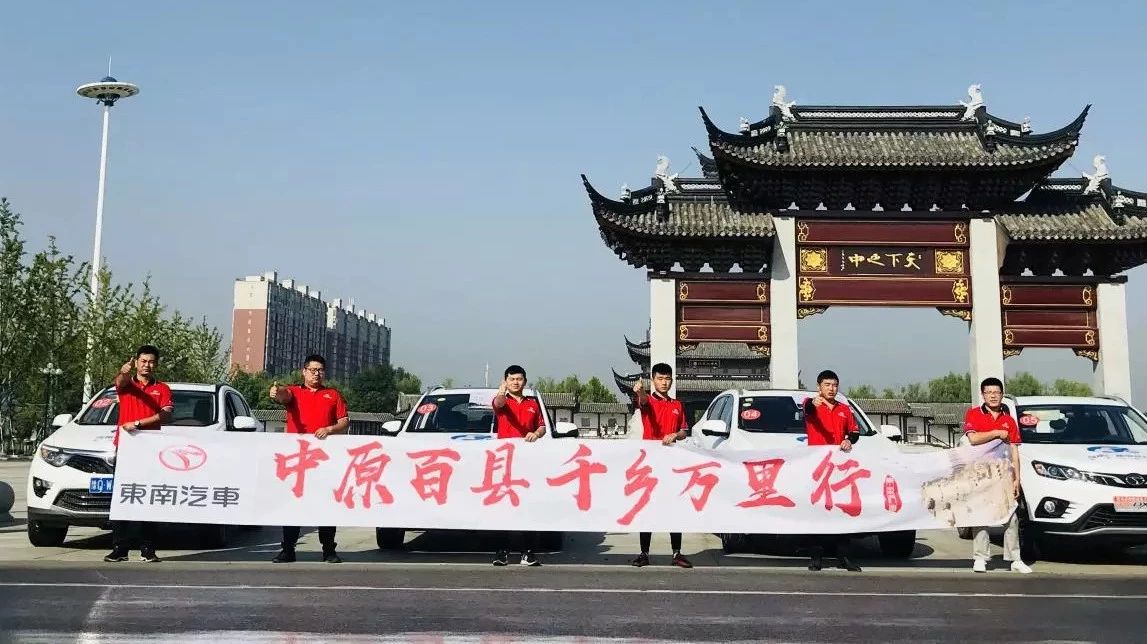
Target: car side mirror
x,y
392,427
892,433
244,424
714,427
565,430
61,420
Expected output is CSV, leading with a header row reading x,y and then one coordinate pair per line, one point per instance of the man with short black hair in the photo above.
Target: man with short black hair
x,y
516,416
144,403
830,422
988,422
662,419
316,409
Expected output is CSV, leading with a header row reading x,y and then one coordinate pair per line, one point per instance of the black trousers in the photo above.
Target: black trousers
x,y
129,534
527,540
828,545
326,537
647,538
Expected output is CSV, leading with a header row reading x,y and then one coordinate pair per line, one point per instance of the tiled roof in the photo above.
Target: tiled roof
x,y
719,384
705,217
603,408
892,137
884,405
921,410
892,149
1089,221
563,400
706,350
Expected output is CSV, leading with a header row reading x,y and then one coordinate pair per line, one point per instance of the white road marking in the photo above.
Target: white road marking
x,y
574,591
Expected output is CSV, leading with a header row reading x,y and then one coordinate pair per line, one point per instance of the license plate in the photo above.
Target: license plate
x,y
100,485
1131,504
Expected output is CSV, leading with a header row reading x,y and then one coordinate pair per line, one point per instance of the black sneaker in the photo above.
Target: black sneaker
x,y
640,561
680,561
816,563
117,555
284,556
844,563
528,559
331,557
502,558
149,556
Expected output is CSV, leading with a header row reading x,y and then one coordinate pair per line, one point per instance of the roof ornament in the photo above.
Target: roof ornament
x,y
745,125
1026,126
662,173
626,193
1101,175
975,102
779,103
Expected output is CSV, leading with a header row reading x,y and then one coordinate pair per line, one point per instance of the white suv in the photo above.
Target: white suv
x,y
70,479
462,414
763,419
1083,472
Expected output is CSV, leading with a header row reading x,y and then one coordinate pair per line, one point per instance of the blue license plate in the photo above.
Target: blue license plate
x,y
100,485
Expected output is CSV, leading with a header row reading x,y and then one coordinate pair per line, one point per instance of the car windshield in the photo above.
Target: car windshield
x,y
453,413
782,415
1074,424
192,409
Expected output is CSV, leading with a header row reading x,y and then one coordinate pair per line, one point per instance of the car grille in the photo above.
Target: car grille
x,y
90,464
82,501
1105,516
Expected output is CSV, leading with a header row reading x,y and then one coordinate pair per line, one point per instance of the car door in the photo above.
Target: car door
x,y
720,409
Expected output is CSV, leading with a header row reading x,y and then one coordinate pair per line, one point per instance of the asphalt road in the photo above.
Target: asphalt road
x,y
316,602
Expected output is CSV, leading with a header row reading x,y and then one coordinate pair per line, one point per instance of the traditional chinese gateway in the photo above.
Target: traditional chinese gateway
x,y
949,207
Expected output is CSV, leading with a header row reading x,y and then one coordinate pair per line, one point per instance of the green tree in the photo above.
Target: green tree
x,y
861,391
595,390
1064,387
408,383
888,392
914,392
1024,384
953,387
373,390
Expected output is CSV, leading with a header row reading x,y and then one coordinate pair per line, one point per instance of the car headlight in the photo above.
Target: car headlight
x,y
1064,473
53,456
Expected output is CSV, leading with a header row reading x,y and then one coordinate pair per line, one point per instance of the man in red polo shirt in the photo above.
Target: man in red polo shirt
x,y
316,409
516,416
830,422
662,419
988,422
144,403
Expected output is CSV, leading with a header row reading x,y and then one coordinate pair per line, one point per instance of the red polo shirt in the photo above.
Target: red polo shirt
x,y
138,401
828,425
308,411
517,418
980,419
662,416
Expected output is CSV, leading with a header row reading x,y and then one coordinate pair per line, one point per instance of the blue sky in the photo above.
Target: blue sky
x,y
424,159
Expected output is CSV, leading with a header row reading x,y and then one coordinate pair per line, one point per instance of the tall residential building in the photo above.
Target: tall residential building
x,y
276,323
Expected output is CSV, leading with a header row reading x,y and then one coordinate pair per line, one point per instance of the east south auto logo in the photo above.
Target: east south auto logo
x,y
183,458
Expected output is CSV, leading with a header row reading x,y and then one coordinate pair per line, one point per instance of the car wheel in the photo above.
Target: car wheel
x,y
965,533
897,545
552,541
389,538
734,543
46,536
215,536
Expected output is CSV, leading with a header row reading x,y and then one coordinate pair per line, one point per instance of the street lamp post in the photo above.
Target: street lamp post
x,y
50,371
106,92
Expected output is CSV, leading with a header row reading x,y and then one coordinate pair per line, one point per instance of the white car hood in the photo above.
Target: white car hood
x,y
89,438
1112,459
